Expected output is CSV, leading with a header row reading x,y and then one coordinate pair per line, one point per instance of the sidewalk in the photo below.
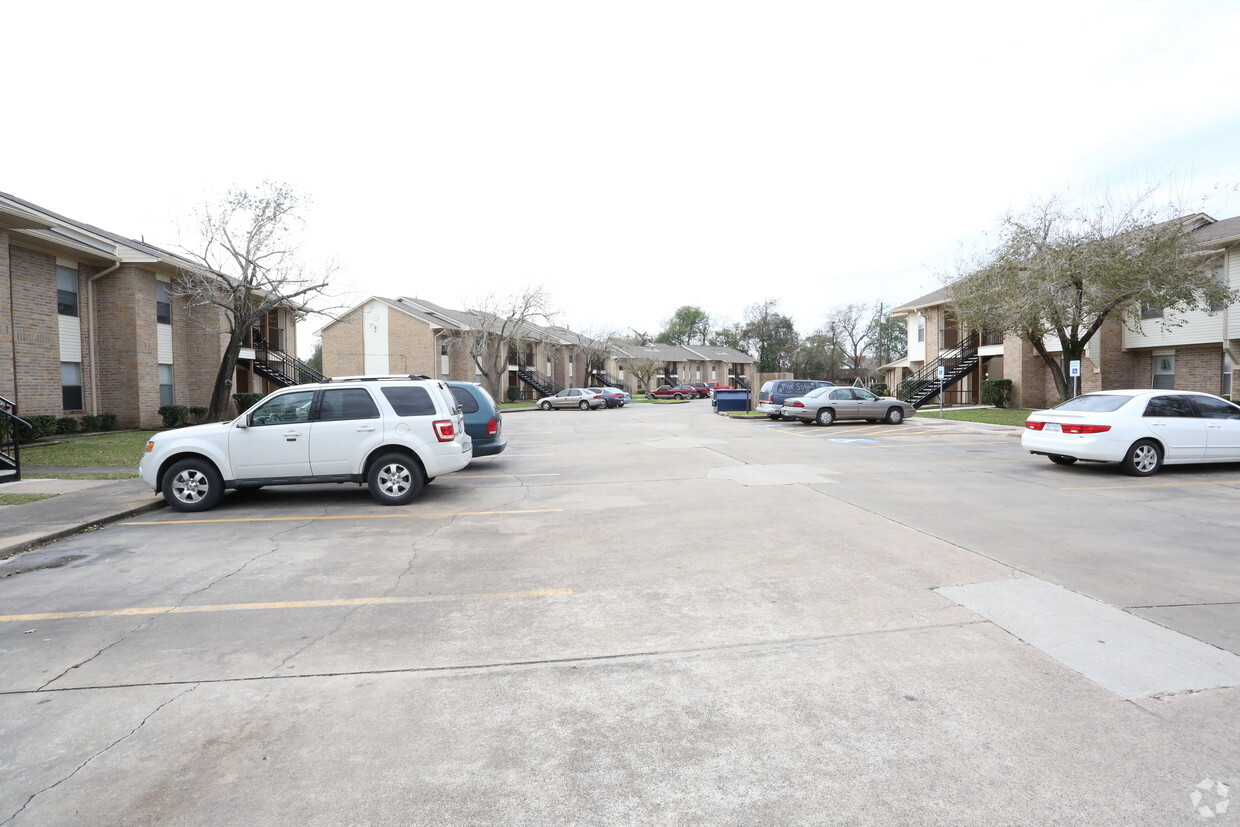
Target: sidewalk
x,y
78,504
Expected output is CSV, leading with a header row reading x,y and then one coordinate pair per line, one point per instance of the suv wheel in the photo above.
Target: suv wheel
x,y
192,485
394,479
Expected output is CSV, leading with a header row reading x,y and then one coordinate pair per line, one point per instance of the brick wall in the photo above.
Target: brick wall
x,y
411,346
1198,368
36,338
342,346
8,381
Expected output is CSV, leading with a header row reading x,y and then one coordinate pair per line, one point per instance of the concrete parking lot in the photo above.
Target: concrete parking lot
x,y
645,615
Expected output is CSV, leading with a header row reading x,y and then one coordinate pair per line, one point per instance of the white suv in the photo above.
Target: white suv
x,y
393,433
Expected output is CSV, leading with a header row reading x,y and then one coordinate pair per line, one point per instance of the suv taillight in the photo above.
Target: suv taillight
x,y
493,428
444,430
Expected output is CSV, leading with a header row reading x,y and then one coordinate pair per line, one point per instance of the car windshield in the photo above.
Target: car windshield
x,y
1095,402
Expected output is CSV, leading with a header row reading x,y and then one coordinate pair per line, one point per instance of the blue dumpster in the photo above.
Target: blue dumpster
x,y
734,399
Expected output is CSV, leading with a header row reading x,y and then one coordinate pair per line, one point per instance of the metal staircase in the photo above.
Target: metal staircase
x,y
606,380
922,387
740,383
279,367
538,381
10,450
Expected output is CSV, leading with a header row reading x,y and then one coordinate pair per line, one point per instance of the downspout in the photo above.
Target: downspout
x,y
94,370
1227,324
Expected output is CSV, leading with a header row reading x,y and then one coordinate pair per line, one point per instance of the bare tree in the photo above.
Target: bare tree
x,y
644,369
247,267
500,328
597,348
1060,273
850,327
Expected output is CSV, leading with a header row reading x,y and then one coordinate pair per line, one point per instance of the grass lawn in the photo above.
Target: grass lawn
x,y
123,448
995,416
21,499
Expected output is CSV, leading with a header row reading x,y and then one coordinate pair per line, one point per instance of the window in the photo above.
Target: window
x,y
66,291
166,396
1151,311
410,401
1211,408
465,399
1228,367
921,328
1219,275
163,304
1164,372
1169,406
71,386
347,403
283,410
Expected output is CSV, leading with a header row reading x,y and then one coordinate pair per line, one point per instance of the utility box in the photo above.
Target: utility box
x,y
736,399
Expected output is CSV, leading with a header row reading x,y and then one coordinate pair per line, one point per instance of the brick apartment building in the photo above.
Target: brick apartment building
x,y
1192,350
90,324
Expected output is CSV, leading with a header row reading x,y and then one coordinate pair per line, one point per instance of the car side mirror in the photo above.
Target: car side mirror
x,y
243,422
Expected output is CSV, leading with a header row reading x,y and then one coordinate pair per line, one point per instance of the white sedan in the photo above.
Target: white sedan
x,y
1140,429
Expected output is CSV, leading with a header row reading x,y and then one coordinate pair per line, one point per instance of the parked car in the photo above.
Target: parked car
x,y
673,392
827,404
703,390
395,434
483,421
583,398
773,393
1142,430
715,386
613,397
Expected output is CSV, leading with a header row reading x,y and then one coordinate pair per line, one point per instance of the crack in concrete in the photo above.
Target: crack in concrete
x,y
180,602
106,749
622,657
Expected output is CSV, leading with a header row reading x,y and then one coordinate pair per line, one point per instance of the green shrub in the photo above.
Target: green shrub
x,y
514,393
92,423
880,389
174,416
997,392
198,413
245,401
107,421
67,425
41,425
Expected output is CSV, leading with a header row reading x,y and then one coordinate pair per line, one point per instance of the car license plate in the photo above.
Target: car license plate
x,y
1052,426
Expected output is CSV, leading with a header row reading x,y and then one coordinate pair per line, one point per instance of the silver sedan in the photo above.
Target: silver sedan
x,y
826,405
583,398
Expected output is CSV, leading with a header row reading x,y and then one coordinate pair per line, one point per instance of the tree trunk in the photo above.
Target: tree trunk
x,y
221,394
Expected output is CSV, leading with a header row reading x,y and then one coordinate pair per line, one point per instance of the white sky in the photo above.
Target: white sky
x,y
629,157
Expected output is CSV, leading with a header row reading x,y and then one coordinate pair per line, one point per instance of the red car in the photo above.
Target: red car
x,y
715,386
703,389
669,392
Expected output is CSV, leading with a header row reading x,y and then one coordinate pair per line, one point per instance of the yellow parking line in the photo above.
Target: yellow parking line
x,y
291,604
1150,485
347,517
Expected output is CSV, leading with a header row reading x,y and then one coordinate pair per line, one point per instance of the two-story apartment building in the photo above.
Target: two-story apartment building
x,y
413,335
92,323
1192,350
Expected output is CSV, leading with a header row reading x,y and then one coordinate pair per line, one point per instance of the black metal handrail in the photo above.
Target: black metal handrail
x,y
955,362
538,381
279,366
10,444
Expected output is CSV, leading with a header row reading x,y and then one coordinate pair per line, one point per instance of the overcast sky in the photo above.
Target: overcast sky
x,y
629,157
